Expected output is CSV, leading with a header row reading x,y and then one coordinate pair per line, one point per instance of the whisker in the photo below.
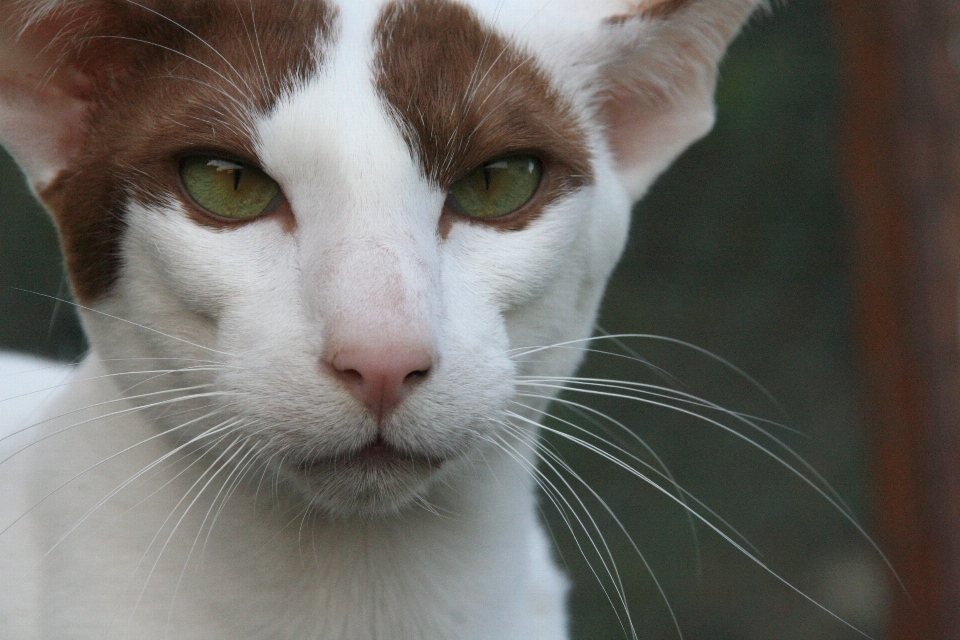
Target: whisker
x,y
216,467
643,559
261,71
47,367
101,377
229,96
647,336
224,428
103,417
660,372
541,452
664,375
653,391
585,412
130,322
169,358
256,37
606,560
97,506
104,461
263,475
239,467
202,41
683,494
238,474
827,492
751,556
160,374
567,512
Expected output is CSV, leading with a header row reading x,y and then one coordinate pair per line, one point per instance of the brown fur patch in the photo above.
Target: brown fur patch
x,y
464,95
168,79
656,9
664,8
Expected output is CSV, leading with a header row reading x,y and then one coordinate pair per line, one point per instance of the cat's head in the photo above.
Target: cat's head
x,y
328,231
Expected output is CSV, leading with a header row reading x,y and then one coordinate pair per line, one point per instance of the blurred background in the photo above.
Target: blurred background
x,y
755,247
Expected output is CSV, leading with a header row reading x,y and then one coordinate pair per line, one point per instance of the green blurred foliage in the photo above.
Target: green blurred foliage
x,y
31,276
740,249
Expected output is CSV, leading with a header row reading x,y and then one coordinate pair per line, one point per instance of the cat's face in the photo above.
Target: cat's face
x,y
330,230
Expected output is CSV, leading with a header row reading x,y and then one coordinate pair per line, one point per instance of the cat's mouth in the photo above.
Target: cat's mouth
x,y
375,479
377,454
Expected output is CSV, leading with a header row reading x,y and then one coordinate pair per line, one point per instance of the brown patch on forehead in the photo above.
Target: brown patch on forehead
x,y
170,78
464,95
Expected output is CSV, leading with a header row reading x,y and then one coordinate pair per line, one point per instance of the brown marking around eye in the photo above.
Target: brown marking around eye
x,y
463,95
161,92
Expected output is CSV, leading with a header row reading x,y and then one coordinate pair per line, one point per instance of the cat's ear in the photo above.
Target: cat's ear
x,y
659,73
52,61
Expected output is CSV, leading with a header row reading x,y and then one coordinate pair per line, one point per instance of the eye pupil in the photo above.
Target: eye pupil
x,y
236,179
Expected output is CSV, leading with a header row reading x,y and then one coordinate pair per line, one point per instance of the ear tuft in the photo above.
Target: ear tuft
x,y
659,75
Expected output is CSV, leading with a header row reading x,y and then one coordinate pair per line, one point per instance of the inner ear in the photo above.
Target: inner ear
x,y
660,73
646,135
51,63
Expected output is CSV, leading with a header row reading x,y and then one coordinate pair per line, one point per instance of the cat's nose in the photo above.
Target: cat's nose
x,y
381,378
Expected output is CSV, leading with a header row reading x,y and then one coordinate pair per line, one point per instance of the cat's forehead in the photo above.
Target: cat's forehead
x,y
433,76
302,87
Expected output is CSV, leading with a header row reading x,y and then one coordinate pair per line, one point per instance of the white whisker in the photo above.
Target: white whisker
x,y
201,40
130,322
682,494
605,555
102,462
736,545
825,493
213,470
647,336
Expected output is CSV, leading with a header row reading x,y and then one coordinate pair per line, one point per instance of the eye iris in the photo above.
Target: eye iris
x,y
228,189
497,188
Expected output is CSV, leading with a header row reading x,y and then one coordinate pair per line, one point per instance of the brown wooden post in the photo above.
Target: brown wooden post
x,y
901,157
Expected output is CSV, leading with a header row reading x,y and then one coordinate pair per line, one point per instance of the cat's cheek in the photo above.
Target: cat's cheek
x,y
606,235
511,268
205,269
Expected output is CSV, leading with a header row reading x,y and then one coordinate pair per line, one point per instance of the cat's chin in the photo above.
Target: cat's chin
x,y
377,480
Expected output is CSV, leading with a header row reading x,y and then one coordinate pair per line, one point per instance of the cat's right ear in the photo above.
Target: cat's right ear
x,y
658,75
51,63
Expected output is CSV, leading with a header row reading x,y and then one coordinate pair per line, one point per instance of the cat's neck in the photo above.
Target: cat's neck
x,y
422,571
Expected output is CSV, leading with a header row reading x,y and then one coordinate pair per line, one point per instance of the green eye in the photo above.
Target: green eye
x,y
229,189
497,188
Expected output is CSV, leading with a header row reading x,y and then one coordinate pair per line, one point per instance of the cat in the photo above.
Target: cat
x,y
317,247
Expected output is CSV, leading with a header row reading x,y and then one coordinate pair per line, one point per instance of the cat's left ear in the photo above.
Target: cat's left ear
x,y
51,65
659,70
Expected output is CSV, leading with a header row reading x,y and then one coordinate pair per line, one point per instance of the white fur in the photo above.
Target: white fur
x,y
120,546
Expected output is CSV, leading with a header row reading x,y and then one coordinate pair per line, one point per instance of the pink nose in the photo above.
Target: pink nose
x,y
380,378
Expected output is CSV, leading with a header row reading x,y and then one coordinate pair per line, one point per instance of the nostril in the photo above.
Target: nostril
x,y
349,375
416,376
